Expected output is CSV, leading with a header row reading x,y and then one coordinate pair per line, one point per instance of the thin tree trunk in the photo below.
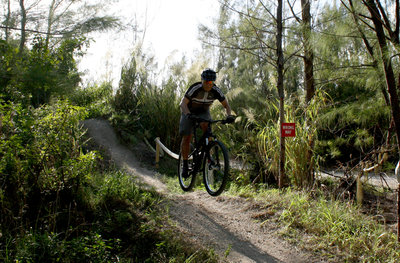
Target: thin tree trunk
x,y
308,79
368,46
387,65
282,176
8,18
308,50
23,24
50,19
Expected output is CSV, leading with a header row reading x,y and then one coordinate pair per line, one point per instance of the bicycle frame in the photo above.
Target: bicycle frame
x,y
201,144
210,156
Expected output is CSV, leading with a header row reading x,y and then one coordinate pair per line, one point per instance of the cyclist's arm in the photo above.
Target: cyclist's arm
x,y
226,106
184,106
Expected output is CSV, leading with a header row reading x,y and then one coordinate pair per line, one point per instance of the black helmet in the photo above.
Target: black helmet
x,y
209,75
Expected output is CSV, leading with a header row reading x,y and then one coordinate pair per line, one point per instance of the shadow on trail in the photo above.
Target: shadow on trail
x,y
219,236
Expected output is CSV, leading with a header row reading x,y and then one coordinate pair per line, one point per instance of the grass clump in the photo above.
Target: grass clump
x,y
331,228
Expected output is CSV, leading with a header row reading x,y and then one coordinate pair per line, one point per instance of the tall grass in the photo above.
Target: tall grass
x,y
143,109
95,98
158,112
334,230
338,229
301,159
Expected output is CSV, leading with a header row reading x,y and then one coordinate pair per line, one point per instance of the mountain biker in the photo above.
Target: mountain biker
x,y
196,102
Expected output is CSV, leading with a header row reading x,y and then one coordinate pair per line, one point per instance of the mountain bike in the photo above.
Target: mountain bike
x,y
208,155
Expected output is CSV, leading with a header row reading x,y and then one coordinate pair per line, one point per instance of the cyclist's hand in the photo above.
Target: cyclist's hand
x,y
230,119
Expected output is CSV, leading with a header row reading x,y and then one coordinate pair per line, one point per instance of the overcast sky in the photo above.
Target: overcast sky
x,y
170,26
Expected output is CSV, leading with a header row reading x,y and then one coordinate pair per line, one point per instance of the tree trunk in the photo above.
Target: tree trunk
x,y
50,19
387,65
308,50
8,18
308,79
23,24
280,67
369,47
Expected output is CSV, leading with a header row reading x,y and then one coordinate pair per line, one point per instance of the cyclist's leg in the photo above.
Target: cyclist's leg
x,y
204,125
185,129
185,146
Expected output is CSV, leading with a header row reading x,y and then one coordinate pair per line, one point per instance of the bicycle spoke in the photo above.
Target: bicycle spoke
x,y
187,182
216,168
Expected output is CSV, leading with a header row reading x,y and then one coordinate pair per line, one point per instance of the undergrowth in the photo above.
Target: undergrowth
x,y
60,201
336,230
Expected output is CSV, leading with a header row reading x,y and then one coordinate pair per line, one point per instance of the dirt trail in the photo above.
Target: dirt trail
x,y
224,223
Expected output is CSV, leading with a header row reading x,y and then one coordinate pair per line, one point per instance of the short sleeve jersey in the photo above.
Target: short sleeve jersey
x,y
201,100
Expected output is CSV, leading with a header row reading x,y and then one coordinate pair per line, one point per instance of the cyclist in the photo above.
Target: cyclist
x,y
196,102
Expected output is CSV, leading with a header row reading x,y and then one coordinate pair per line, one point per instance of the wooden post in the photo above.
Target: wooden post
x,y
157,154
360,193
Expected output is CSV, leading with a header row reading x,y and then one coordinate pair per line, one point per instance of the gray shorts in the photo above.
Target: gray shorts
x,y
186,125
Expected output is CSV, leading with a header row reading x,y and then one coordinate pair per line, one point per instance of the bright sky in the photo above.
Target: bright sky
x,y
172,26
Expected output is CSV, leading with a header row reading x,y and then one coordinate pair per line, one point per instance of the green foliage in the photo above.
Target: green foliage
x,y
40,161
135,217
339,229
56,206
35,76
353,128
335,230
301,159
159,113
144,109
95,98
52,247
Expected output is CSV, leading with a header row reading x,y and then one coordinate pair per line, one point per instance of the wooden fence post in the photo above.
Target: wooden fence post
x,y
157,154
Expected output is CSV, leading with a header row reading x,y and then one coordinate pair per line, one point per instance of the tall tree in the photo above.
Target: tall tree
x,y
380,21
23,24
7,21
308,61
308,49
280,69
57,19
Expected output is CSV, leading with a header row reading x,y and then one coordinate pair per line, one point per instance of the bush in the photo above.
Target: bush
x,y
41,165
95,98
37,75
146,110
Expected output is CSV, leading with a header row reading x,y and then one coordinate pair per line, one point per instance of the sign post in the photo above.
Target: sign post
x,y
288,129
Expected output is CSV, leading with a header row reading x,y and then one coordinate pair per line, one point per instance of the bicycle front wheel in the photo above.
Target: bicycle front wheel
x,y
187,182
216,168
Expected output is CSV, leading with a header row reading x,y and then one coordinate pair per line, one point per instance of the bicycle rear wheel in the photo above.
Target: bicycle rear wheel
x,y
186,183
216,168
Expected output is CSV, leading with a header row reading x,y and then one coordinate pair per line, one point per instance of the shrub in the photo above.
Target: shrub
x,y
41,165
95,98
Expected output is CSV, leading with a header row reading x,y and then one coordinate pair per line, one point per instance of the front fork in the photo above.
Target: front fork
x,y
199,156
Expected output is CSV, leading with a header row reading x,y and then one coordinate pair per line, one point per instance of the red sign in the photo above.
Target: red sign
x,y
288,130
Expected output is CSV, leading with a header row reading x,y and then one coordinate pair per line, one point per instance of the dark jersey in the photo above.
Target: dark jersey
x,y
201,100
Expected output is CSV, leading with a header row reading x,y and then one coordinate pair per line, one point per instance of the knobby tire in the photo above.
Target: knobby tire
x,y
186,183
216,168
